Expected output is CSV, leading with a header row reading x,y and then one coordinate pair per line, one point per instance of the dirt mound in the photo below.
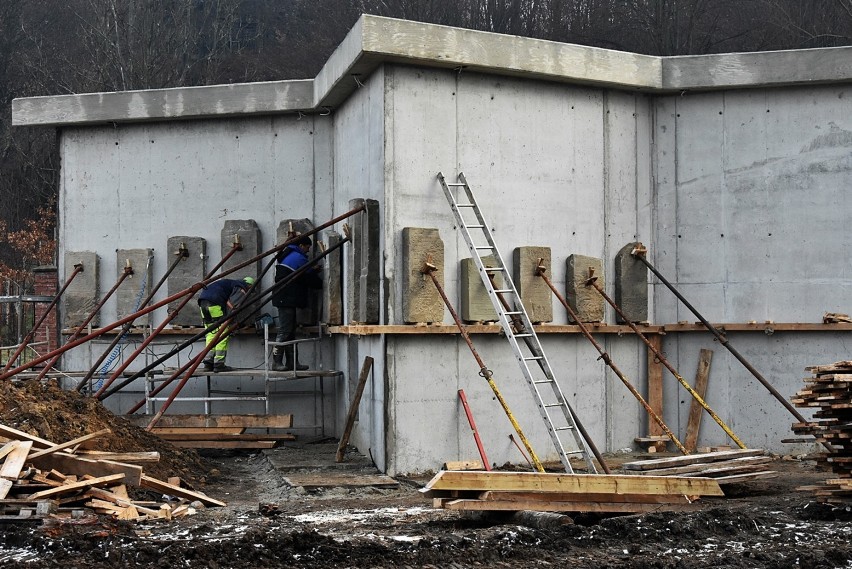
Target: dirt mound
x,y
45,410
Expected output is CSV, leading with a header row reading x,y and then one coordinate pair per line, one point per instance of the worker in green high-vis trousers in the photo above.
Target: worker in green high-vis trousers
x,y
215,301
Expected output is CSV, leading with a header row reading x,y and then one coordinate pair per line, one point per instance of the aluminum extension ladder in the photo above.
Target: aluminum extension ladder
x,y
554,408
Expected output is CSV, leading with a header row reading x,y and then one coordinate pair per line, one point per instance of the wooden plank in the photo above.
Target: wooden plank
x,y
747,477
464,465
7,448
5,486
313,481
573,497
199,421
68,488
71,464
15,460
353,408
691,459
655,389
14,434
696,411
578,483
118,500
172,490
229,437
70,443
164,432
598,507
225,444
131,457
695,469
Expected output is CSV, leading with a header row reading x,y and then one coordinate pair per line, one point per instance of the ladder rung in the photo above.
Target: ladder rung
x,y
474,226
504,290
575,452
455,184
514,313
465,205
568,428
483,247
526,335
495,269
534,358
540,381
553,405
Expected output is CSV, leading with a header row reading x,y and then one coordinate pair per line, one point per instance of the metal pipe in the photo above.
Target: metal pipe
x,y
429,269
639,252
78,268
472,424
180,254
128,270
540,271
592,281
518,324
191,290
235,246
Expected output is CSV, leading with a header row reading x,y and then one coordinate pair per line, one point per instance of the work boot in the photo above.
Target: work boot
x,y
288,365
277,356
208,365
221,367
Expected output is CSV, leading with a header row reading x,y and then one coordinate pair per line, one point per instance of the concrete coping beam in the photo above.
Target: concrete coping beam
x,y
375,40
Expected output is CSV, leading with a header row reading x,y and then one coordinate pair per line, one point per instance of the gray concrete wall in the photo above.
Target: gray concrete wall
x,y
751,224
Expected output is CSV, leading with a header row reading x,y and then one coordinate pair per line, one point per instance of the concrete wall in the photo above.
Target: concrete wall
x,y
751,217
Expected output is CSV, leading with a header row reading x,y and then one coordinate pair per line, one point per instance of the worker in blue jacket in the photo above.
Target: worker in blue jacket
x,y
215,301
294,295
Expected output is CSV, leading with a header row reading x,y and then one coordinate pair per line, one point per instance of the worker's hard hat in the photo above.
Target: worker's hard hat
x,y
248,280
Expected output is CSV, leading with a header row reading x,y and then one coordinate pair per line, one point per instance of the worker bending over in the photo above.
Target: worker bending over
x,y
216,300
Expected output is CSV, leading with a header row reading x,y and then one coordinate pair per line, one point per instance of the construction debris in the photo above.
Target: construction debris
x,y
725,467
560,492
38,479
836,318
830,391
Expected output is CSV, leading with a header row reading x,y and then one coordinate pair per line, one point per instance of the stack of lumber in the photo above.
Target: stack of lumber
x,y
560,492
40,478
220,431
725,467
830,392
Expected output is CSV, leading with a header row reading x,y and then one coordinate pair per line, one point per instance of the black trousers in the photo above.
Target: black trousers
x,y
286,328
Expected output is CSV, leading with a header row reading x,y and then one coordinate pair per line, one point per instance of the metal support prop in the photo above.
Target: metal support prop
x,y
540,271
429,269
639,253
188,291
520,329
472,423
592,281
180,255
78,268
128,270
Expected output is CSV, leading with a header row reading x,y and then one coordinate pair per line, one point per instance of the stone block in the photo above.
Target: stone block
x,y
584,300
248,233
190,270
332,286
128,296
631,285
81,296
475,304
299,226
365,263
534,292
421,301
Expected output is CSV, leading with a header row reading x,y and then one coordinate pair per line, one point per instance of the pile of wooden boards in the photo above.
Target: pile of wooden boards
x,y
725,467
39,478
561,492
830,392
220,431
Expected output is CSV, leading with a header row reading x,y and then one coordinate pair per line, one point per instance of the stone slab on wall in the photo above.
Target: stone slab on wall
x,y
81,296
309,314
631,285
365,263
584,300
128,298
421,301
249,235
299,226
475,304
190,270
332,285
534,292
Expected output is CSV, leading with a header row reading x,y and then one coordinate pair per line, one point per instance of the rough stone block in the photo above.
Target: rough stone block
x,y
190,270
248,233
475,304
81,296
299,226
421,301
365,262
631,285
584,300
534,292
332,286
128,297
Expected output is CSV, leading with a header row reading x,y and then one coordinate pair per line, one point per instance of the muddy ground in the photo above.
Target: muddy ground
x,y
759,524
